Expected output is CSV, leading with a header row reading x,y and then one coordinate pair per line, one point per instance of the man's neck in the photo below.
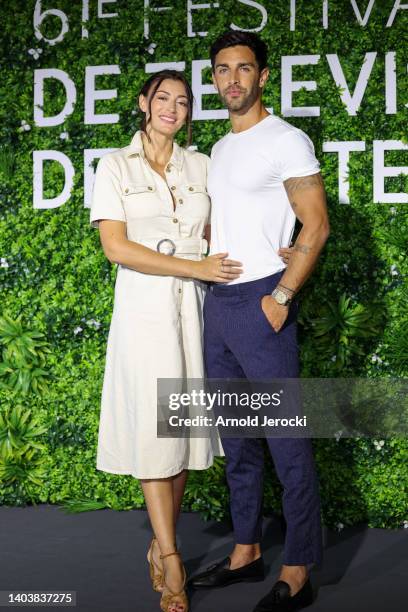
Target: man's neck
x,y
254,115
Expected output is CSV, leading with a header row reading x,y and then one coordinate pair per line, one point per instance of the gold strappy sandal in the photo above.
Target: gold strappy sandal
x,y
156,574
171,597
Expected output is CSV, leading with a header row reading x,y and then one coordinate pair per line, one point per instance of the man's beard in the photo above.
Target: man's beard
x,y
243,103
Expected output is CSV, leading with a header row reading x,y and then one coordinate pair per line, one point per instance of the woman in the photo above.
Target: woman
x,y
149,202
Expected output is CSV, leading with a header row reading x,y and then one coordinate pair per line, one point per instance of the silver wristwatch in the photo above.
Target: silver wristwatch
x,y
281,297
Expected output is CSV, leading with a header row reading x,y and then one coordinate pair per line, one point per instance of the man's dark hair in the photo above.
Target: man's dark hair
x,y
232,38
152,85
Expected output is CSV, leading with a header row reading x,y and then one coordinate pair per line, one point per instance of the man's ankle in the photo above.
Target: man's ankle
x,y
297,570
243,554
295,575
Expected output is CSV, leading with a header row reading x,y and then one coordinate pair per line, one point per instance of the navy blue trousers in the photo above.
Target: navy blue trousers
x,y
239,342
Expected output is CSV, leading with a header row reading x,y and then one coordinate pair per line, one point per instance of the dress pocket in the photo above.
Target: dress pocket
x,y
196,199
140,199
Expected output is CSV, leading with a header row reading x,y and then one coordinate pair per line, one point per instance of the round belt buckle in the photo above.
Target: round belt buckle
x,y
169,248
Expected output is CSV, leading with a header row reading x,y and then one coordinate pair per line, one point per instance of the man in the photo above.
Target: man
x,y
262,176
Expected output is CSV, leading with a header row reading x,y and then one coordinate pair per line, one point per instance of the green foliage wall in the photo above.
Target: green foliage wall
x,y
57,284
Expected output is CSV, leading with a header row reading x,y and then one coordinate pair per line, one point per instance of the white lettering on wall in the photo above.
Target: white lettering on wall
x,y
89,173
38,168
390,83
85,18
397,7
343,149
197,7
92,94
289,86
201,89
352,102
39,16
149,9
259,8
362,20
258,16
381,172
103,15
40,76
151,67
325,15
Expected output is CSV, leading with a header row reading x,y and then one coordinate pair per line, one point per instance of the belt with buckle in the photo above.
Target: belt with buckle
x,y
176,246
166,246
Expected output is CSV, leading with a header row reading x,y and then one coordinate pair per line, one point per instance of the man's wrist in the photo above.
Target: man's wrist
x,y
290,292
282,295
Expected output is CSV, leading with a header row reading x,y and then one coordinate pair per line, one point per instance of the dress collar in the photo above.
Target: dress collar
x,y
136,147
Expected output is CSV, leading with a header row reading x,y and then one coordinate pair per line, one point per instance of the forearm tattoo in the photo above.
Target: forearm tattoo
x,y
302,248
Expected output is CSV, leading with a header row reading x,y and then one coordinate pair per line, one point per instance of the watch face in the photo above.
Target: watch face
x,y
280,297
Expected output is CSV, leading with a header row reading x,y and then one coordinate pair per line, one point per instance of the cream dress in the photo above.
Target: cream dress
x,y
156,326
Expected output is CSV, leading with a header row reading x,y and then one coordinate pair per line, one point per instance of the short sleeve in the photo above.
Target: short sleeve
x,y
207,170
213,150
107,194
207,166
296,155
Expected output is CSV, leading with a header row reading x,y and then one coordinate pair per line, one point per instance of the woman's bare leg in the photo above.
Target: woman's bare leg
x,y
163,500
179,485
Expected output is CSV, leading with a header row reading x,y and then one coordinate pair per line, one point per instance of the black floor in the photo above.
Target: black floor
x,y
101,556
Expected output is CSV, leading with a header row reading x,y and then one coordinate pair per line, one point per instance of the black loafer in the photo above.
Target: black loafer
x,y
219,574
279,599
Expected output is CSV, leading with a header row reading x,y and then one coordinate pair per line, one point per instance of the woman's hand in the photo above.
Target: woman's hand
x,y
217,268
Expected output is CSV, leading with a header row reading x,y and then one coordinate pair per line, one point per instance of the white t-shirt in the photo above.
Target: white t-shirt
x,y
251,216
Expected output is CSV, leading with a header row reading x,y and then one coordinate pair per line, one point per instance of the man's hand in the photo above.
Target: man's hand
x,y
285,253
274,312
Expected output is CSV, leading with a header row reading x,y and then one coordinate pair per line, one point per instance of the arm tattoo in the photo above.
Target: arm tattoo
x,y
297,184
302,248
